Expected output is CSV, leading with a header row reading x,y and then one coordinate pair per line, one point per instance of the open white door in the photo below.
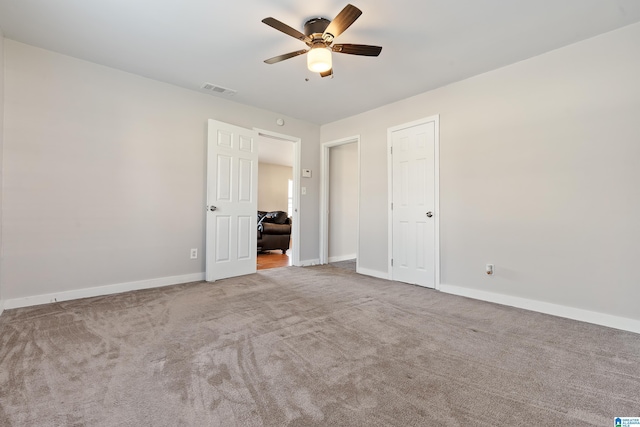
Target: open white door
x,y
232,181
414,203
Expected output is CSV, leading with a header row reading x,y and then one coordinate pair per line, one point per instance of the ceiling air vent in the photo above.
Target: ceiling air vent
x,y
219,90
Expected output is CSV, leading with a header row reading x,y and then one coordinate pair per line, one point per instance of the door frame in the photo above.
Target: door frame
x,y
324,196
295,234
436,120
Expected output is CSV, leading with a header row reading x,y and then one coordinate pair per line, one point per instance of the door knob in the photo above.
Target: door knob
x,y
212,208
429,214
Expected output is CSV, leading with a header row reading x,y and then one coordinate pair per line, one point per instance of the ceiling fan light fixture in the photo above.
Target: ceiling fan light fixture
x,y
319,34
319,59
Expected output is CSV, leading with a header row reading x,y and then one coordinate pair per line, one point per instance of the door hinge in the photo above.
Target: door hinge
x,y
392,151
391,205
391,262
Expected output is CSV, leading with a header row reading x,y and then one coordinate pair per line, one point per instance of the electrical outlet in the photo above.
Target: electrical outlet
x,y
194,253
489,269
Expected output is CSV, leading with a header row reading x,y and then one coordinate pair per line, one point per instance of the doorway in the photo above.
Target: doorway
x,y
278,184
339,203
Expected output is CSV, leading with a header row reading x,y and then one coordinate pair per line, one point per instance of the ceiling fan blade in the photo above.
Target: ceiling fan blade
x,y
285,56
345,18
280,26
357,49
327,73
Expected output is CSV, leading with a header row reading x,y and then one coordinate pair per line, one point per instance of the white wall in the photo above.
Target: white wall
x,y
104,179
273,187
343,201
539,173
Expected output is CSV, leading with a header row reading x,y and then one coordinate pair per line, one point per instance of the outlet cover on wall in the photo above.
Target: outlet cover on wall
x,y
194,253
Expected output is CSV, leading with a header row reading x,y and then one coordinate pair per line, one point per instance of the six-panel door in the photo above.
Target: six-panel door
x,y
232,169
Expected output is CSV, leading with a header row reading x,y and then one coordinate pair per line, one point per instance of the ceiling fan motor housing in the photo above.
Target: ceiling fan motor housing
x,y
316,26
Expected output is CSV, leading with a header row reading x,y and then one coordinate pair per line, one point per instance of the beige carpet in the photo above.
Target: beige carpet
x,y
349,264
309,346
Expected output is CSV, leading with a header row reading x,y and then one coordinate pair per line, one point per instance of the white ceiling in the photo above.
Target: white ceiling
x,y
426,43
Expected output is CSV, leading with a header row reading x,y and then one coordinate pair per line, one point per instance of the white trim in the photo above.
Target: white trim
x,y
295,235
372,273
324,196
602,319
436,121
436,196
1,307
342,258
309,262
102,290
389,202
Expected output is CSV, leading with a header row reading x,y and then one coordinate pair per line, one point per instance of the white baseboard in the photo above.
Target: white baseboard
x,y
342,258
309,262
101,290
373,273
602,319
1,306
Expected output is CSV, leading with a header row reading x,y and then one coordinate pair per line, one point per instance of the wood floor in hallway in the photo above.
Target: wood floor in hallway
x,y
273,259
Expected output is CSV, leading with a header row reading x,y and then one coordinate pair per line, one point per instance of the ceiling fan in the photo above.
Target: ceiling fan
x,y
319,34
